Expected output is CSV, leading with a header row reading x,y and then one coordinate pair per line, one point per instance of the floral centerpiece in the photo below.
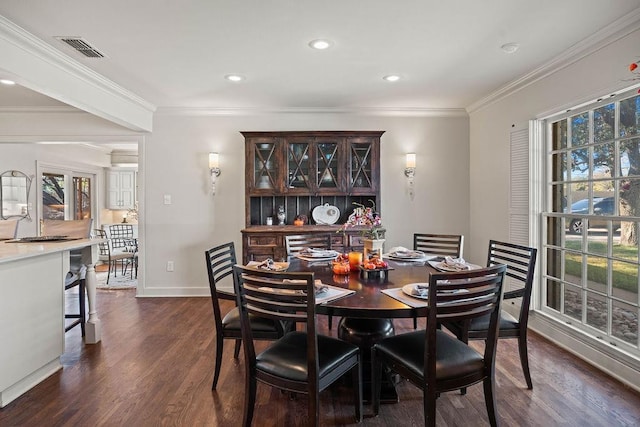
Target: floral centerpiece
x,y
367,217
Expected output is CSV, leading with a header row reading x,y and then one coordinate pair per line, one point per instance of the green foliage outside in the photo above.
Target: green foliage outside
x,y
625,276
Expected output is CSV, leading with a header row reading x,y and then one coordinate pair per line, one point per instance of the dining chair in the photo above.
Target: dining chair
x,y
297,242
8,229
220,261
520,261
121,241
132,260
75,229
120,235
301,361
106,256
436,361
439,244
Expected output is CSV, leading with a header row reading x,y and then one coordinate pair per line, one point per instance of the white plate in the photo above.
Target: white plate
x,y
407,289
319,253
440,265
309,258
410,256
325,214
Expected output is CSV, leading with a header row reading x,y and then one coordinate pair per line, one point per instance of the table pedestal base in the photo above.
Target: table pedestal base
x,y
365,333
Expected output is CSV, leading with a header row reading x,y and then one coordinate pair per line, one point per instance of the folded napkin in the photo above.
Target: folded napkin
x,y
320,287
269,264
399,249
318,252
456,263
420,290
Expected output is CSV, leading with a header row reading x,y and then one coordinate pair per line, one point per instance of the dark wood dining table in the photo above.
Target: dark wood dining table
x,y
367,313
368,301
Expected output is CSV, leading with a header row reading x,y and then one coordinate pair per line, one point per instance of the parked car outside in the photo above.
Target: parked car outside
x,y
601,206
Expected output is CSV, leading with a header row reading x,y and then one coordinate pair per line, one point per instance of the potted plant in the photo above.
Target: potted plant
x,y
372,231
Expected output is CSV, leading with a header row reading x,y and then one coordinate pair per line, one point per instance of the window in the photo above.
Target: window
x,y
592,220
67,194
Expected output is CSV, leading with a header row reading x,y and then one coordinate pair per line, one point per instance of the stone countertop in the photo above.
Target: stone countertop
x,y
11,251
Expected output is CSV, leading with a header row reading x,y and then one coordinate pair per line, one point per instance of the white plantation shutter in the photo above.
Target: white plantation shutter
x,y
518,192
519,188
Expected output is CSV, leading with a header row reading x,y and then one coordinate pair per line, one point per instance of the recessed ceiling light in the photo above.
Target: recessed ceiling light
x,y
234,77
510,47
320,44
7,82
392,78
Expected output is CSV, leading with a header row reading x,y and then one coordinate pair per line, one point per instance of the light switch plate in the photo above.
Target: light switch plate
x,y
167,199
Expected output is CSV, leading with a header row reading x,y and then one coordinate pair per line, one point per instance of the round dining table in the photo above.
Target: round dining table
x,y
368,301
368,312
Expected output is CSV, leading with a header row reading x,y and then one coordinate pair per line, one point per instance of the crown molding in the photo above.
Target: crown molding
x,y
607,35
41,109
70,139
27,54
365,111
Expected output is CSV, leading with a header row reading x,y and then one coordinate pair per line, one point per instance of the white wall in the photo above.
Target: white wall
x,y
598,74
23,157
175,164
20,133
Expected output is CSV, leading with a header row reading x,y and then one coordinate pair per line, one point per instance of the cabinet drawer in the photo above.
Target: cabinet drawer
x,y
355,240
257,241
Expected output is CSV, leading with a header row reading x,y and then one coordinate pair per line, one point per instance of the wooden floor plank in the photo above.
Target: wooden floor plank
x,y
154,366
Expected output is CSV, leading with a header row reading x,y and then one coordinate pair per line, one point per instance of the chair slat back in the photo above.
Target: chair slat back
x,y
439,244
295,243
521,263
74,228
8,228
280,296
220,261
462,296
465,295
285,296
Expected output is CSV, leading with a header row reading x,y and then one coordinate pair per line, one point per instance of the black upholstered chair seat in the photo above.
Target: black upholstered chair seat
x,y
453,357
507,322
287,357
231,321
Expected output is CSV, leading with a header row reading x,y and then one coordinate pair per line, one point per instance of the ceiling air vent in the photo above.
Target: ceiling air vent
x,y
82,46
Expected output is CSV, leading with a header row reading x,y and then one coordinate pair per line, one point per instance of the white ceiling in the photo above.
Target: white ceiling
x,y
176,53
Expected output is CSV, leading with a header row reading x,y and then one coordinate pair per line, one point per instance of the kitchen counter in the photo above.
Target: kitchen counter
x,y
32,309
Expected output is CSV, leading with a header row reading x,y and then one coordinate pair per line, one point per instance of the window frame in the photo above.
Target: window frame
x,y
543,129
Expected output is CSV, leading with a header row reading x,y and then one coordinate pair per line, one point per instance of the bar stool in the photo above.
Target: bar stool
x,y
78,229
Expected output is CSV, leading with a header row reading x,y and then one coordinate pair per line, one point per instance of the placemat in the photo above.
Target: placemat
x,y
397,294
333,293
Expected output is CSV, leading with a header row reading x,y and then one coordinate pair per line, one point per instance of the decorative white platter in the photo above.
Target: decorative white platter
x,y
325,214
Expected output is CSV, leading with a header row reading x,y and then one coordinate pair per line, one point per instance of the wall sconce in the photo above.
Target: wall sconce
x,y
410,171
214,170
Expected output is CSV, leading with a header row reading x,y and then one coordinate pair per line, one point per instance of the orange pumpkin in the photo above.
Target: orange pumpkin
x,y
298,222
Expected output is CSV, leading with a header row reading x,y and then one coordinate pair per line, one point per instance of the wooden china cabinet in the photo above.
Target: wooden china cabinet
x,y
300,171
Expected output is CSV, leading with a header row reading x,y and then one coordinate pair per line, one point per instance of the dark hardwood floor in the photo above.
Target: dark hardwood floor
x,y
154,367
